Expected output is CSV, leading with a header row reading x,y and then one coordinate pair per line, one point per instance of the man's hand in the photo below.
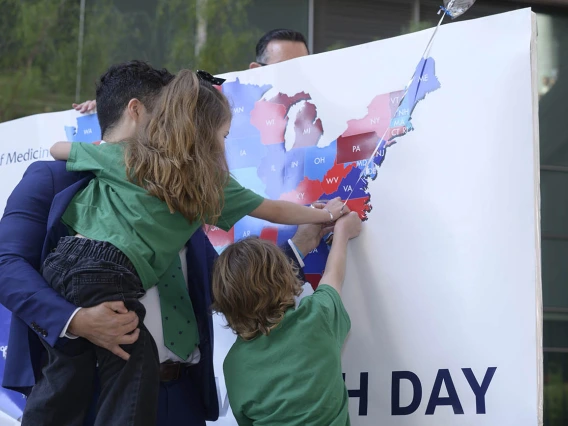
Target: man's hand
x,y
107,325
308,237
87,106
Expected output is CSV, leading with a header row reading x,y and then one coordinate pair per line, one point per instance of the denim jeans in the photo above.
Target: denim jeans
x,y
87,273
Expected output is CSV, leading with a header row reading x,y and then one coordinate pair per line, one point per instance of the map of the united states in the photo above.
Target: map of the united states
x,y
273,149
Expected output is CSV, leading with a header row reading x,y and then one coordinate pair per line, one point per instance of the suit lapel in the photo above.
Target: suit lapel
x,y
55,228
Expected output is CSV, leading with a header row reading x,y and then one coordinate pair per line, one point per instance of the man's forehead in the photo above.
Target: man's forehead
x,y
284,50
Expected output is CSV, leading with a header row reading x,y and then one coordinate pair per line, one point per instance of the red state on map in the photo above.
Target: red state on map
x,y
395,99
218,237
307,126
313,279
334,176
379,114
307,192
270,120
269,234
395,132
361,206
288,101
356,147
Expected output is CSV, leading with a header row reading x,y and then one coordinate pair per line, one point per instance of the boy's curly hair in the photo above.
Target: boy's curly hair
x,y
254,284
179,158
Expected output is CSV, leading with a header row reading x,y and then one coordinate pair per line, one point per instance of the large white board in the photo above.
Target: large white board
x,y
443,285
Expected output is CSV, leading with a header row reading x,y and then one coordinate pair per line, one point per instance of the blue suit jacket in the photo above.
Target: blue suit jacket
x,y
29,229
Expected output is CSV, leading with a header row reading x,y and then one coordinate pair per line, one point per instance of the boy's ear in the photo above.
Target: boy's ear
x,y
135,109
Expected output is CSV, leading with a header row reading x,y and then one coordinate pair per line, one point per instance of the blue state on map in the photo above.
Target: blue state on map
x,y
87,130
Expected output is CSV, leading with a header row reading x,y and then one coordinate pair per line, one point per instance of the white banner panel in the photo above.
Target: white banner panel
x,y
443,285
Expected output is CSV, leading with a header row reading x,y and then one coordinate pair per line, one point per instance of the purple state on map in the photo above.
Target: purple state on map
x,y
307,126
242,98
288,101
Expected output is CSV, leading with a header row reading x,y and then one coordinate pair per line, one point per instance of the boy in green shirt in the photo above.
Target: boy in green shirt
x,y
285,367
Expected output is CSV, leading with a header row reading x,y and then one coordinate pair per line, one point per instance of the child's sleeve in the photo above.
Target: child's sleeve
x,y
329,302
239,202
241,419
86,157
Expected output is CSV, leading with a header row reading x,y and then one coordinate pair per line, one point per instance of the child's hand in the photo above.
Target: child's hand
x,y
336,208
348,226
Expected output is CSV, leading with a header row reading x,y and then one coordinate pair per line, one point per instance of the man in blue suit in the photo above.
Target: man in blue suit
x,y
31,228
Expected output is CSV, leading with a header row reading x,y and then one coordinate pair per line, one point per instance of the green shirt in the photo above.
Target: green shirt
x,y
113,209
293,376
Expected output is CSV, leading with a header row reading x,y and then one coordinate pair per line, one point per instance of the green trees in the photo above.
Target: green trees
x,y
39,44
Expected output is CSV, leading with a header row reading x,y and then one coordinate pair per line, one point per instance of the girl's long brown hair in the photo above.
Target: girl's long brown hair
x,y
254,284
179,157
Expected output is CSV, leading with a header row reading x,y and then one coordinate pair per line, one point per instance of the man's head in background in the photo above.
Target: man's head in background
x,y
125,94
279,46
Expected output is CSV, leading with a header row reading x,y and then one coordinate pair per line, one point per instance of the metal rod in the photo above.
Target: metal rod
x,y
80,51
424,56
416,11
311,20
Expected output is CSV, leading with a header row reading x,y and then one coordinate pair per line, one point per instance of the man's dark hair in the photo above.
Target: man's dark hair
x,y
123,82
278,35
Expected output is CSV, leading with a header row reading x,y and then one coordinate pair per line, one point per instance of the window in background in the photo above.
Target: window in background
x,y
268,15
553,94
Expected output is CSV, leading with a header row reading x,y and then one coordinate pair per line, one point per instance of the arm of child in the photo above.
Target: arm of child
x,y
346,228
61,150
287,213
